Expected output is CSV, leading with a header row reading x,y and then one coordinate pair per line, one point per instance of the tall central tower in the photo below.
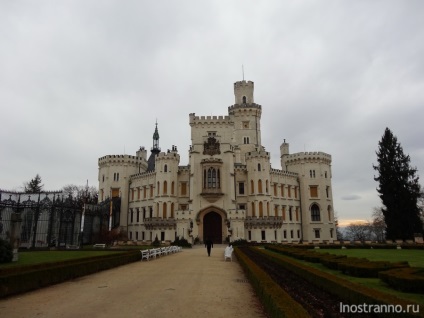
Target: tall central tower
x,y
246,116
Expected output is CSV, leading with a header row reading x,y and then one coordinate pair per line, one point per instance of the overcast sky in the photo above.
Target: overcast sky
x,y
84,79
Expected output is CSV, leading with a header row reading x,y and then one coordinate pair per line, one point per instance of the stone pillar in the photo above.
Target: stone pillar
x,y
15,234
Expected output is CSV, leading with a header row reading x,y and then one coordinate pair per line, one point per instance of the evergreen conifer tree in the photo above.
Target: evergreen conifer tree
x,y
34,186
398,189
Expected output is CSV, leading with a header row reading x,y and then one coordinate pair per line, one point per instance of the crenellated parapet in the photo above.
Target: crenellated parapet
x,y
120,159
172,156
237,109
258,155
284,173
310,157
209,120
142,175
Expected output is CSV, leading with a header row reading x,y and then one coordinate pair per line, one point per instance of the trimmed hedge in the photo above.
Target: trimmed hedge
x,y
409,279
349,292
353,266
275,300
25,278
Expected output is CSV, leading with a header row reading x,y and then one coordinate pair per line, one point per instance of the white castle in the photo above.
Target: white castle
x,y
228,191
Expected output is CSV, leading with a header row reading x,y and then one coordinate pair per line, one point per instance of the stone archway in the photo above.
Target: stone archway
x,y
212,227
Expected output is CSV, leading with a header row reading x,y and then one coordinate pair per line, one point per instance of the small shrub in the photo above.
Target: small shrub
x,y
156,242
6,251
239,242
181,242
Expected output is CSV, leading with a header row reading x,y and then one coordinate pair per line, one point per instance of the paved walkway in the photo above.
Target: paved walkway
x,y
185,284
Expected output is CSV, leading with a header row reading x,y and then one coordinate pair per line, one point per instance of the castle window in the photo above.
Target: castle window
x,y
183,188
117,176
165,168
263,235
172,210
212,178
259,167
291,233
138,215
164,211
275,189
259,186
165,187
132,216
211,133
329,213
253,209
327,191
325,174
158,188
244,99
290,214
315,213
298,233
312,173
282,190
172,188
103,179
252,187
246,140
284,213
241,187
317,234
285,234
331,233
245,125
261,212
313,191
242,207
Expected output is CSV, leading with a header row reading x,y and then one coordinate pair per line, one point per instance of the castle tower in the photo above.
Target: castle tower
x,y
314,170
246,116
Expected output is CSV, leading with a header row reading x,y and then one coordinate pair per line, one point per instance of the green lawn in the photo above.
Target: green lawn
x,y
37,257
415,258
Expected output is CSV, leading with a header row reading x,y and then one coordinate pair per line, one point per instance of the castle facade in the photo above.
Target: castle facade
x,y
228,191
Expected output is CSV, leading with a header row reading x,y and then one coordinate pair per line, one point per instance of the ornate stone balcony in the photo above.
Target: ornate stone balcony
x,y
159,223
211,194
266,222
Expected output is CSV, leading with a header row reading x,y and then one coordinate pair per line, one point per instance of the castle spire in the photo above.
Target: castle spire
x,y
156,138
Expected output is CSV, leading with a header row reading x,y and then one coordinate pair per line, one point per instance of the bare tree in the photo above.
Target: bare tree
x,y
359,231
378,224
85,193
339,234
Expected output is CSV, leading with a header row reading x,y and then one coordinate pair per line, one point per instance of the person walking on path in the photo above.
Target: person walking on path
x,y
209,245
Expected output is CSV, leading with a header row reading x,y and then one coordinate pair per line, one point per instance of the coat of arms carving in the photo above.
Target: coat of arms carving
x,y
211,147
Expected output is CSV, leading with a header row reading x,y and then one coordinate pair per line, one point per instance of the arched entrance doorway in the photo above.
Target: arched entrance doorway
x,y
212,227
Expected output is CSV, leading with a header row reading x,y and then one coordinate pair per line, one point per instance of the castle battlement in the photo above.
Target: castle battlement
x,y
168,156
142,175
308,156
257,154
284,173
208,120
243,108
114,159
184,168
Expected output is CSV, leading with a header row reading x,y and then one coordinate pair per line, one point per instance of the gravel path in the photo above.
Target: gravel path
x,y
186,284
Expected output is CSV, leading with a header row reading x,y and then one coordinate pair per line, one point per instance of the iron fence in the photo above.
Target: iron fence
x,y
50,219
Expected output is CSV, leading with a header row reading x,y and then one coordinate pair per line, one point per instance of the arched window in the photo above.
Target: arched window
x,y
164,211
252,187
315,214
172,188
172,210
259,167
165,187
165,168
267,209
244,99
158,188
329,212
259,186
253,209
261,209
211,178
